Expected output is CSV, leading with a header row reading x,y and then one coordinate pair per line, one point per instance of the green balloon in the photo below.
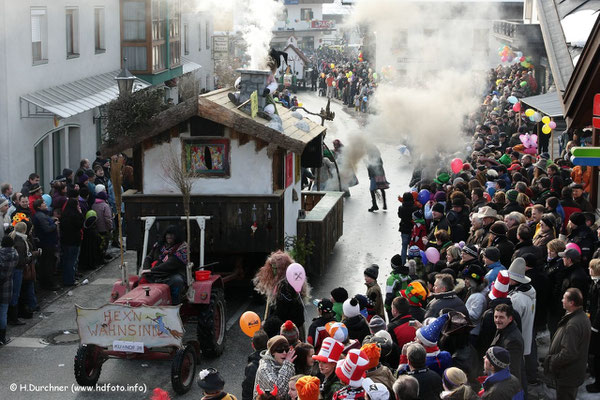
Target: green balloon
x,y
523,84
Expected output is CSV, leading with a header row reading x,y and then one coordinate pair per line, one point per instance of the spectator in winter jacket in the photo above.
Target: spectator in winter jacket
x,y
501,383
212,385
104,222
405,212
567,357
397,281
276,366
374,292
377,372
525,244
357,325
580,234
477,292
338,296
46,232
259,343
593,309
498,238
328,356
509,337
8,261
418,235
444,297
430,383
316,330
399,328
491,260
71,223
575,275
555,271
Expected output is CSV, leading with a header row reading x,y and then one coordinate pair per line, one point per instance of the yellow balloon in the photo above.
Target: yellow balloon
x,y
250,323
299,104
332,65
529,112
546,120
546,129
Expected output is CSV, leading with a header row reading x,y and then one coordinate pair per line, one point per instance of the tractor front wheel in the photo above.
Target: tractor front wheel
x,y
183,369
88,365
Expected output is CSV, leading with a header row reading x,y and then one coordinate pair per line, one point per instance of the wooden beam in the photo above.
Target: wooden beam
x,y
162,122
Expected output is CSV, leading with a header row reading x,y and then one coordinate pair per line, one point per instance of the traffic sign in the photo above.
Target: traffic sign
x,y
585,151
587,161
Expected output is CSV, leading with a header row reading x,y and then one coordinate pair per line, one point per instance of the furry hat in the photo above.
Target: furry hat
x,y
373,352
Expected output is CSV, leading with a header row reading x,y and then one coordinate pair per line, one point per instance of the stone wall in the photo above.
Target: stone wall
x,y
253,80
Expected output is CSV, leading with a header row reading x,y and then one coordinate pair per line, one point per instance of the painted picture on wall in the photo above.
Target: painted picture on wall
x,y
205,156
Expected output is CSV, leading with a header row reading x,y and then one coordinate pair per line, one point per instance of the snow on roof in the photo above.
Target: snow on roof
x,y
578,26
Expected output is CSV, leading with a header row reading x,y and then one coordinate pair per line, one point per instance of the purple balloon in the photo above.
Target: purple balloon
x,y
424,196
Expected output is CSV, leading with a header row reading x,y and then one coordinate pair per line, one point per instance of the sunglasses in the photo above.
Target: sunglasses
x,y
281,350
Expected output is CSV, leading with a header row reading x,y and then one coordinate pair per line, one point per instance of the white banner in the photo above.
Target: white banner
x,y
116,323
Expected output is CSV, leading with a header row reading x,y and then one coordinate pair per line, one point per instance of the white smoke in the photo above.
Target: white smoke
x,y
257,29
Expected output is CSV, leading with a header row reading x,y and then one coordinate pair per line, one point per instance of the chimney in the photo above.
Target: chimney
x,y
253,79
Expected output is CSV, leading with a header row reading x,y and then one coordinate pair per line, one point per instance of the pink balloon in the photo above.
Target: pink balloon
x,y
433,255
573,246
517,107
456,165
296,276
552,125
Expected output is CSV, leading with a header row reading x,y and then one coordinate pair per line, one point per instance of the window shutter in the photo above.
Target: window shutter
x,y
36,28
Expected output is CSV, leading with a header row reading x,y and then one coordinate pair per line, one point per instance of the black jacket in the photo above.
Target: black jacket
x,y
250,375
445,300
512,340
430,383
70,229
584,237
575,276
405,212
510,207
523,248
541,284
488,328
315,338
555,270
506,248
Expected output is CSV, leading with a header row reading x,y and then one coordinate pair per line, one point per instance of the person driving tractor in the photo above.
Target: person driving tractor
x,y
166,262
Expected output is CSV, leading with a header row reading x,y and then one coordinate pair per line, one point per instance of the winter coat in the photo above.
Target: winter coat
x,y
488,327
584,237
510,207
541,240
593,309
476,304
23,249
444,300
417,312
494,269
541,284
405,212
430,383
506,248
317,332
575,276
358,328
8,261
374,294
329,386
567,358
400,330
250,375
104,223
382,374
502,386
338,309
288,305
70,229
45,230
511,339
269,374
523,299
393,285
526,247
418,232
555,270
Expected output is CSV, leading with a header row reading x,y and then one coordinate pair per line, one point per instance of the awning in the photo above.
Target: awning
x,y
75,97
189,65
549,104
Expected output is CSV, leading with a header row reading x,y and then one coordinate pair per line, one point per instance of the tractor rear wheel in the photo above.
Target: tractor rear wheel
x,y
211,325
88,365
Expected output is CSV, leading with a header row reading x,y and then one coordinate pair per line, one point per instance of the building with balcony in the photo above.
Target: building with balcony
x,y
303,19
59,60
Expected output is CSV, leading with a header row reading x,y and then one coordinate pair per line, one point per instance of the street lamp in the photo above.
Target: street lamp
x,y
125,80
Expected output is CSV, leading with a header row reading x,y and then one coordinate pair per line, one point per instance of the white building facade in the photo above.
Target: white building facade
x,y
303,19
197,45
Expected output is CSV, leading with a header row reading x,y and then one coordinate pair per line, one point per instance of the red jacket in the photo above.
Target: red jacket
x,y
401,331
418,233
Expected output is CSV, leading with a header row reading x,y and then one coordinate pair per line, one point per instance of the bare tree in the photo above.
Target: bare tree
x,y
179,177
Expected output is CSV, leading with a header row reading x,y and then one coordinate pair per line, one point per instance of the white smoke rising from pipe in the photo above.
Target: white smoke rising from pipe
x,y
257,29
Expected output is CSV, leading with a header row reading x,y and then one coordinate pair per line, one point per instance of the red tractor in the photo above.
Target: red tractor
x,y
141,323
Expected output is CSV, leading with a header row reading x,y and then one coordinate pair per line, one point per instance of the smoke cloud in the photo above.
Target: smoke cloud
x,y
435,55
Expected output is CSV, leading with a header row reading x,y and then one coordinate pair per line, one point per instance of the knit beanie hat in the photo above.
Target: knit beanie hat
x,y
414,251
376,324
471,250
439,196
499,228
308,388
373,352
396,261
438,207
577,218
339,294
428,335
550,220
500,286
372,271
3,202
100,188
351,308
498,356
492,253
290,331
511,195
276,342
415,293
325,306
210,380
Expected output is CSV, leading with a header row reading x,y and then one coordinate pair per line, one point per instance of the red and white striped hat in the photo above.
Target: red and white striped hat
x,y
351,370
330,351
500,286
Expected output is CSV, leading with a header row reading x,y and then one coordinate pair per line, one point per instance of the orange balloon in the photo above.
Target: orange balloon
x,y
250,323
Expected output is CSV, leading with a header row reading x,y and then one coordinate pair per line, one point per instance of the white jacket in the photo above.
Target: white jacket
x,y
523,302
